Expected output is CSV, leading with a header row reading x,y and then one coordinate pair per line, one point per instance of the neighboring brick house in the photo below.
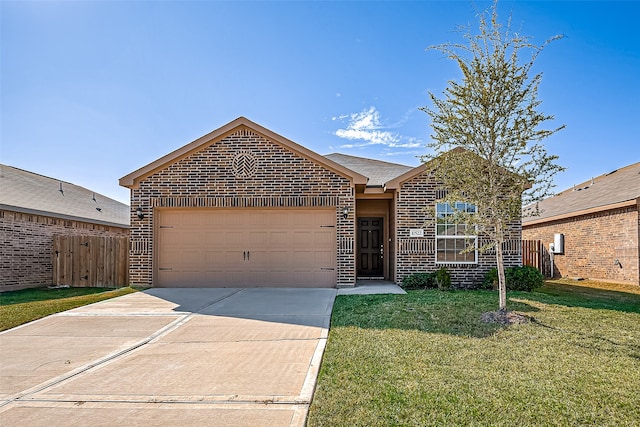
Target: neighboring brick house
x,y
599,223
244,206
34,208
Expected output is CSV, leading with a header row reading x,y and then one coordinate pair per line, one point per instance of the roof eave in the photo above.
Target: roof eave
x,y
619,205
62,216
396,182
132,180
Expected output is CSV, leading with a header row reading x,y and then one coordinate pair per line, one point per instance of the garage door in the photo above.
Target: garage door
x,y
245,248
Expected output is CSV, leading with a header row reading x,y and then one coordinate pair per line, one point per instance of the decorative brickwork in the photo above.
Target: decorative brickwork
x,y
415,198
593,243
243,169
26,242
244,165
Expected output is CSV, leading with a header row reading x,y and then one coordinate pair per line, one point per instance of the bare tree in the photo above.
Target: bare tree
x,y
487,135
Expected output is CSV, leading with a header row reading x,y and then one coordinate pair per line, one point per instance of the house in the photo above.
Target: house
x,y
594,227
244,206
34,208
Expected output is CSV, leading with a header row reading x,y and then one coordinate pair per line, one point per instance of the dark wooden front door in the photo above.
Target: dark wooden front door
x,y
370,247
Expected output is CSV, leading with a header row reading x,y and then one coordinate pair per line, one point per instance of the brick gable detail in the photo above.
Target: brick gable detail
x,y
243,169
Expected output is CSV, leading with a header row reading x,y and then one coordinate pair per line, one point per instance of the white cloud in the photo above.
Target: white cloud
x,y
366,128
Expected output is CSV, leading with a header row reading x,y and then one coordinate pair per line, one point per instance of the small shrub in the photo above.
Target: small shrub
x,y
524,278
419,281
443,279
490,280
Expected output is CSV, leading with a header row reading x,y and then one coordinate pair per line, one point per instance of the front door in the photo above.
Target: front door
x,y
370,247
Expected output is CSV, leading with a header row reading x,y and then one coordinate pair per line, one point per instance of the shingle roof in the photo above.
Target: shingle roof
x,y
619,186
377,171
28,192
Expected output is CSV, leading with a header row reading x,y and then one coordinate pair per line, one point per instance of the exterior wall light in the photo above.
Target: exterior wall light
x,y
139,213
345,212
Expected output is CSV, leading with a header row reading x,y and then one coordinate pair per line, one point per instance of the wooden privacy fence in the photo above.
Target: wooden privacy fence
x,y
531,253
90,261
536,255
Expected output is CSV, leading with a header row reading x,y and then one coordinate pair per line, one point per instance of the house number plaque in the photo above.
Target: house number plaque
x,y
416,232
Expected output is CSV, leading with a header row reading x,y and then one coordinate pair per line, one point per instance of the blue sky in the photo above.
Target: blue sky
x,y
91,91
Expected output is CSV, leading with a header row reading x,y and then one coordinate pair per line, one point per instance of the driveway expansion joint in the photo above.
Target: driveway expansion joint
x,y
82,369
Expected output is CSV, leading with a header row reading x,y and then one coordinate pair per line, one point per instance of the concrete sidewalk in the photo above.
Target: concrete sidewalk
x,y
188,357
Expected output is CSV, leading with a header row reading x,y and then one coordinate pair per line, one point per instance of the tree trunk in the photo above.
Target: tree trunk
x,y
502,285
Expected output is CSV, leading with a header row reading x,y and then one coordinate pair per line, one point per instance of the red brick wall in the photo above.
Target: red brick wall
x,y
418,254
26,242
593,242
280,178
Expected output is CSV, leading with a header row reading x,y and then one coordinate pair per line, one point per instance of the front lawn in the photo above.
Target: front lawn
x,y
18,307
426,358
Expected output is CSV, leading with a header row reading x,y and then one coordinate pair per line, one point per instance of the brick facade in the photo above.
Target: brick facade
x,y
243,165
26,242
593,243
418,254
273,176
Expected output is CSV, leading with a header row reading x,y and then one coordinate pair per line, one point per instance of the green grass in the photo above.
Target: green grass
x,y
18,307
426,359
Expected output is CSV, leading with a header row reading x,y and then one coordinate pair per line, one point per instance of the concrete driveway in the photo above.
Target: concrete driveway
x,y
188,357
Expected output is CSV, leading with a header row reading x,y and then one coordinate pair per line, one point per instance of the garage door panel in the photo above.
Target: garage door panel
x,y
323,258
168,237
302,239
280,261
257,239
323,239
232,259
308,260
192,260
280,239
215,261
229,239
246,247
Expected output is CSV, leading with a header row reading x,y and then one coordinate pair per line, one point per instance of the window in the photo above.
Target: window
x,y
452,238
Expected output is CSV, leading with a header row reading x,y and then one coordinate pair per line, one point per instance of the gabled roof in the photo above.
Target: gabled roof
x,y
618,188
28,192
394,184
132,180
377,171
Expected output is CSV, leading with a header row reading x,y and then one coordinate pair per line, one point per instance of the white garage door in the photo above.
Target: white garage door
x,y
245,248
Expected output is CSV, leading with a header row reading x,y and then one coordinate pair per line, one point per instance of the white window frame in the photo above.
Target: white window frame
x,y
442,211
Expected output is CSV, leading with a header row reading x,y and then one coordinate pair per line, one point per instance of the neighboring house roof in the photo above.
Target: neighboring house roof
x,y
132,180
615,189
28,192
377,171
